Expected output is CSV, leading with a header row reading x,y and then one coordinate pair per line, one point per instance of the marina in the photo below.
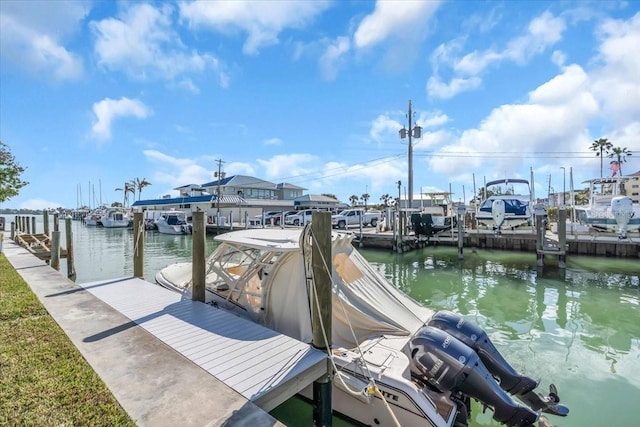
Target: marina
x,y
508,298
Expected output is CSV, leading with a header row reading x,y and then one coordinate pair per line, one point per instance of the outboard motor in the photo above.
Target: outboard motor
x,y
622,210
510,380
446,364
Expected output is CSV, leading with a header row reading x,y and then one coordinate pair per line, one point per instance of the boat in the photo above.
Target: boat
x,y
173,222
509,205
94,218
608,209
395,361
115,218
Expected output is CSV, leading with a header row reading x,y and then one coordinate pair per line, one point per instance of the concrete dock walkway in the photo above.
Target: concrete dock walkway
x,y
155,385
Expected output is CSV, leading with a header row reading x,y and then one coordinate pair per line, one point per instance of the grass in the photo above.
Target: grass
x,y
44,380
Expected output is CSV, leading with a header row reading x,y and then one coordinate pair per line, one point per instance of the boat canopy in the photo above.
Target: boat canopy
x,y
365,303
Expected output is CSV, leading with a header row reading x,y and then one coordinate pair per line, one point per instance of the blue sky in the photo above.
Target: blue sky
x,y
97,93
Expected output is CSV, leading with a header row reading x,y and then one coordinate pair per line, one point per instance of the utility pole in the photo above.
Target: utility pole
x,y
412,132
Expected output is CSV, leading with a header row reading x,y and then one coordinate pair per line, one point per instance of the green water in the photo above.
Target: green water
x,y
578,328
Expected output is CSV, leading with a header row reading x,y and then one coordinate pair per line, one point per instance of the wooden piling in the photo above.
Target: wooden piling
x,y
71,269
28,224
198,273
56,225
33,224
55,250
540,232
321,312
461,213
13,230
138,245
562,237
45,219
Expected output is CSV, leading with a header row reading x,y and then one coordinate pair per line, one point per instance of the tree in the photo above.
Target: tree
x,y
128,188
353,199
331,196
385,198
599,146
139,184
621,155
364,198
10,171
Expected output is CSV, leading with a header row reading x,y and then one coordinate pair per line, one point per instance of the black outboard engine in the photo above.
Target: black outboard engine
x,y
510,380
446,364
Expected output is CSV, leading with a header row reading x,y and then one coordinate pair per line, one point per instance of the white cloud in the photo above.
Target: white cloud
x,y
383,127
107,110
288,165
33,36
37,204
142,43
333,56
272,141
171,172
542,32
399,19
262,21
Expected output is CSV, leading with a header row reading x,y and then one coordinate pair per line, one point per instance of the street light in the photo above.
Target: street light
x,y
564,191
415,132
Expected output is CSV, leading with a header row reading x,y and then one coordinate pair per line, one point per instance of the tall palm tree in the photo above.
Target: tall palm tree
x,y
139,184
128,188
385,199
621,155
599,146
353,199
364,198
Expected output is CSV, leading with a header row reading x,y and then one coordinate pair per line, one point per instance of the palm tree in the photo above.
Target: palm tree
x,y
385,199
364,198
621,155
139,184
599,146
128,188
353,199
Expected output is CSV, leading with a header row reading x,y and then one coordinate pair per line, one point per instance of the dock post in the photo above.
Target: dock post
x,y
198,268
321,312
461,213
17,221
55,250
45,219
138,244
562,237
540,231
13,230
28,225
71,269
33,224
56,223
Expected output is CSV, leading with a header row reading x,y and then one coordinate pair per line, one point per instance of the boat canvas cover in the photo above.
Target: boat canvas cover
x,y
365,303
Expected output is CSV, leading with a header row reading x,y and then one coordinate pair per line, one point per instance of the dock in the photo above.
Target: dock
x,y
169,360
39,245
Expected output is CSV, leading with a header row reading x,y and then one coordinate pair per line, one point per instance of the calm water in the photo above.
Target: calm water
x,y
579,328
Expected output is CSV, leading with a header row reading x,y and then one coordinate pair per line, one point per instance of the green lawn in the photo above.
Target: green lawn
x,y
44,381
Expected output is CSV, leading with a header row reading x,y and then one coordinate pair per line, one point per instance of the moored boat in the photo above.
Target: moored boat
x,y
509,204
115,218
396,361
173,222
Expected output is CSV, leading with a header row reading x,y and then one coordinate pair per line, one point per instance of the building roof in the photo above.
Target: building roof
x,y
315,198
241,181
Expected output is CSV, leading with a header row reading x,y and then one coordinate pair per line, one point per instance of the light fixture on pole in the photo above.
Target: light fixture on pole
x,y
415,132
220,175
564,191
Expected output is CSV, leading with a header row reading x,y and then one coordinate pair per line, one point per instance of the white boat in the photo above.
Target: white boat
x,y
608,209
173,222
94,218
396,362
115,218
509,205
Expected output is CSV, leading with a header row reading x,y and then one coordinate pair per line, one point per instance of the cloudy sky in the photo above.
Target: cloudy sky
x,y
313,93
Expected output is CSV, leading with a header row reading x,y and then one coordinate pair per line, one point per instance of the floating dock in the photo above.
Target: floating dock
x,y
169,360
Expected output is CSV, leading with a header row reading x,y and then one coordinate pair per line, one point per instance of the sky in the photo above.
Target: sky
x,y
94,94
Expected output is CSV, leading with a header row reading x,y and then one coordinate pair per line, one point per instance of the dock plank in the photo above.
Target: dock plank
x,y
257,362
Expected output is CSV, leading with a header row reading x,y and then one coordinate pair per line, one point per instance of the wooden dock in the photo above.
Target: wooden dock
x,y
264,366
39,245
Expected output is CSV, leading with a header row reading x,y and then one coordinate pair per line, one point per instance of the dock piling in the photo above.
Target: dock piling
x,y
321,312
138,245
198,272
45,219
71,269
562,237
55,250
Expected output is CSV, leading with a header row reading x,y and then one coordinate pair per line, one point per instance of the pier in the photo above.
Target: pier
x,y
169,360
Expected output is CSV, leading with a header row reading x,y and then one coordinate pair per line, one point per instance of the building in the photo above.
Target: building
x,y
237,198
632,186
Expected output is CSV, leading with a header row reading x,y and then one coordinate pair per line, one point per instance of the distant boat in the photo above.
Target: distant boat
x,y
115,218
608,209
173,222
94,218
510,204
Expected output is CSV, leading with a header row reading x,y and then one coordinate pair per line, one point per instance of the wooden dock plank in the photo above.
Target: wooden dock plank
x,y
262,365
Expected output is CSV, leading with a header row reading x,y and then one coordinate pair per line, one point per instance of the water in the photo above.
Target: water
x,y
578,328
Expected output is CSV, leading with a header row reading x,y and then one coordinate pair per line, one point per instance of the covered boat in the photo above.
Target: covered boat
x,y
395,361
508,205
